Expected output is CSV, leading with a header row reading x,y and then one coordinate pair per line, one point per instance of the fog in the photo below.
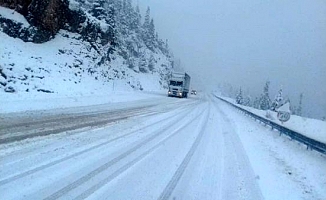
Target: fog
x,y
246,43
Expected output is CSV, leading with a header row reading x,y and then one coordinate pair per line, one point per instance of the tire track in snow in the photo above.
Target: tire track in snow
x,y
202,178
75,184
30,118
42,167
238,174
11,131
108,179
179,172
66,124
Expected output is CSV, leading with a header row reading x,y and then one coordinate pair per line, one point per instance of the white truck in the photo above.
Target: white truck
x,y
179,84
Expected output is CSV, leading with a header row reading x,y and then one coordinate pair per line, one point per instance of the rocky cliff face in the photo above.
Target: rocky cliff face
x,y
46,18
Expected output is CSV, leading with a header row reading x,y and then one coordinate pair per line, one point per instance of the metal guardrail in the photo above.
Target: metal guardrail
x,y
311,143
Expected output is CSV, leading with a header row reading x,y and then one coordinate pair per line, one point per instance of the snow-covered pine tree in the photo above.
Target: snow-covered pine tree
x,y
98,10
122,17
146,30
239,97
151,63
128,11
136,20
265,101
143,64
299,109
256,103
132,64
110,20
151,34
147,19
277,101
166,45
247,101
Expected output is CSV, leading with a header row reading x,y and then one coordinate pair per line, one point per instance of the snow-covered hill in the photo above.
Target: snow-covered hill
x,y
77,62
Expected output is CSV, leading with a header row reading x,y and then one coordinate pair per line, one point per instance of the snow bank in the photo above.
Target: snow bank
x,y
20,103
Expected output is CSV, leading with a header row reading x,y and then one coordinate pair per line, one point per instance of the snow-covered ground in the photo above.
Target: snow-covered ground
x,y
196,148
312,128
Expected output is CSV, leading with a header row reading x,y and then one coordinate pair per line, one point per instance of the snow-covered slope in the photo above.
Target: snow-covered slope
x,y
69,66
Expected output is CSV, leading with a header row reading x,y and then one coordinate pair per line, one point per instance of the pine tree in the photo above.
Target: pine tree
x,y
128,12
98,10
131,63
277,101
151,63
147,19
239,97
123,19
143,65
265,101
110,20
136,20
147,30
256,103
151,33
299,109
247,101
167,44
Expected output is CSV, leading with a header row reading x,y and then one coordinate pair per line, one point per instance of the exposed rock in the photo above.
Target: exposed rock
x,y
48,14
3,74
47,17
30,34
43,90
40,77
3,83
10,89
24,78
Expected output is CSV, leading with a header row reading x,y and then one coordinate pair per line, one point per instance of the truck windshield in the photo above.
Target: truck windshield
x,y
176,83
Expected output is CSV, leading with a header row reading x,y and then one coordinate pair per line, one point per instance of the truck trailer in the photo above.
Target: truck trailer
x,y
179,84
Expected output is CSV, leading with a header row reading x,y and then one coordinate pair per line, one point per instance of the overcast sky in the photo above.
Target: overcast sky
x,y
247,42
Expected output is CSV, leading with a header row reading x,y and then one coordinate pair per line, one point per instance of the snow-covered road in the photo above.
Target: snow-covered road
x,y
21,125
162,148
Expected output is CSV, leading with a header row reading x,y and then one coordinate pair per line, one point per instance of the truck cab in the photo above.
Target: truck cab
x,y
179,85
